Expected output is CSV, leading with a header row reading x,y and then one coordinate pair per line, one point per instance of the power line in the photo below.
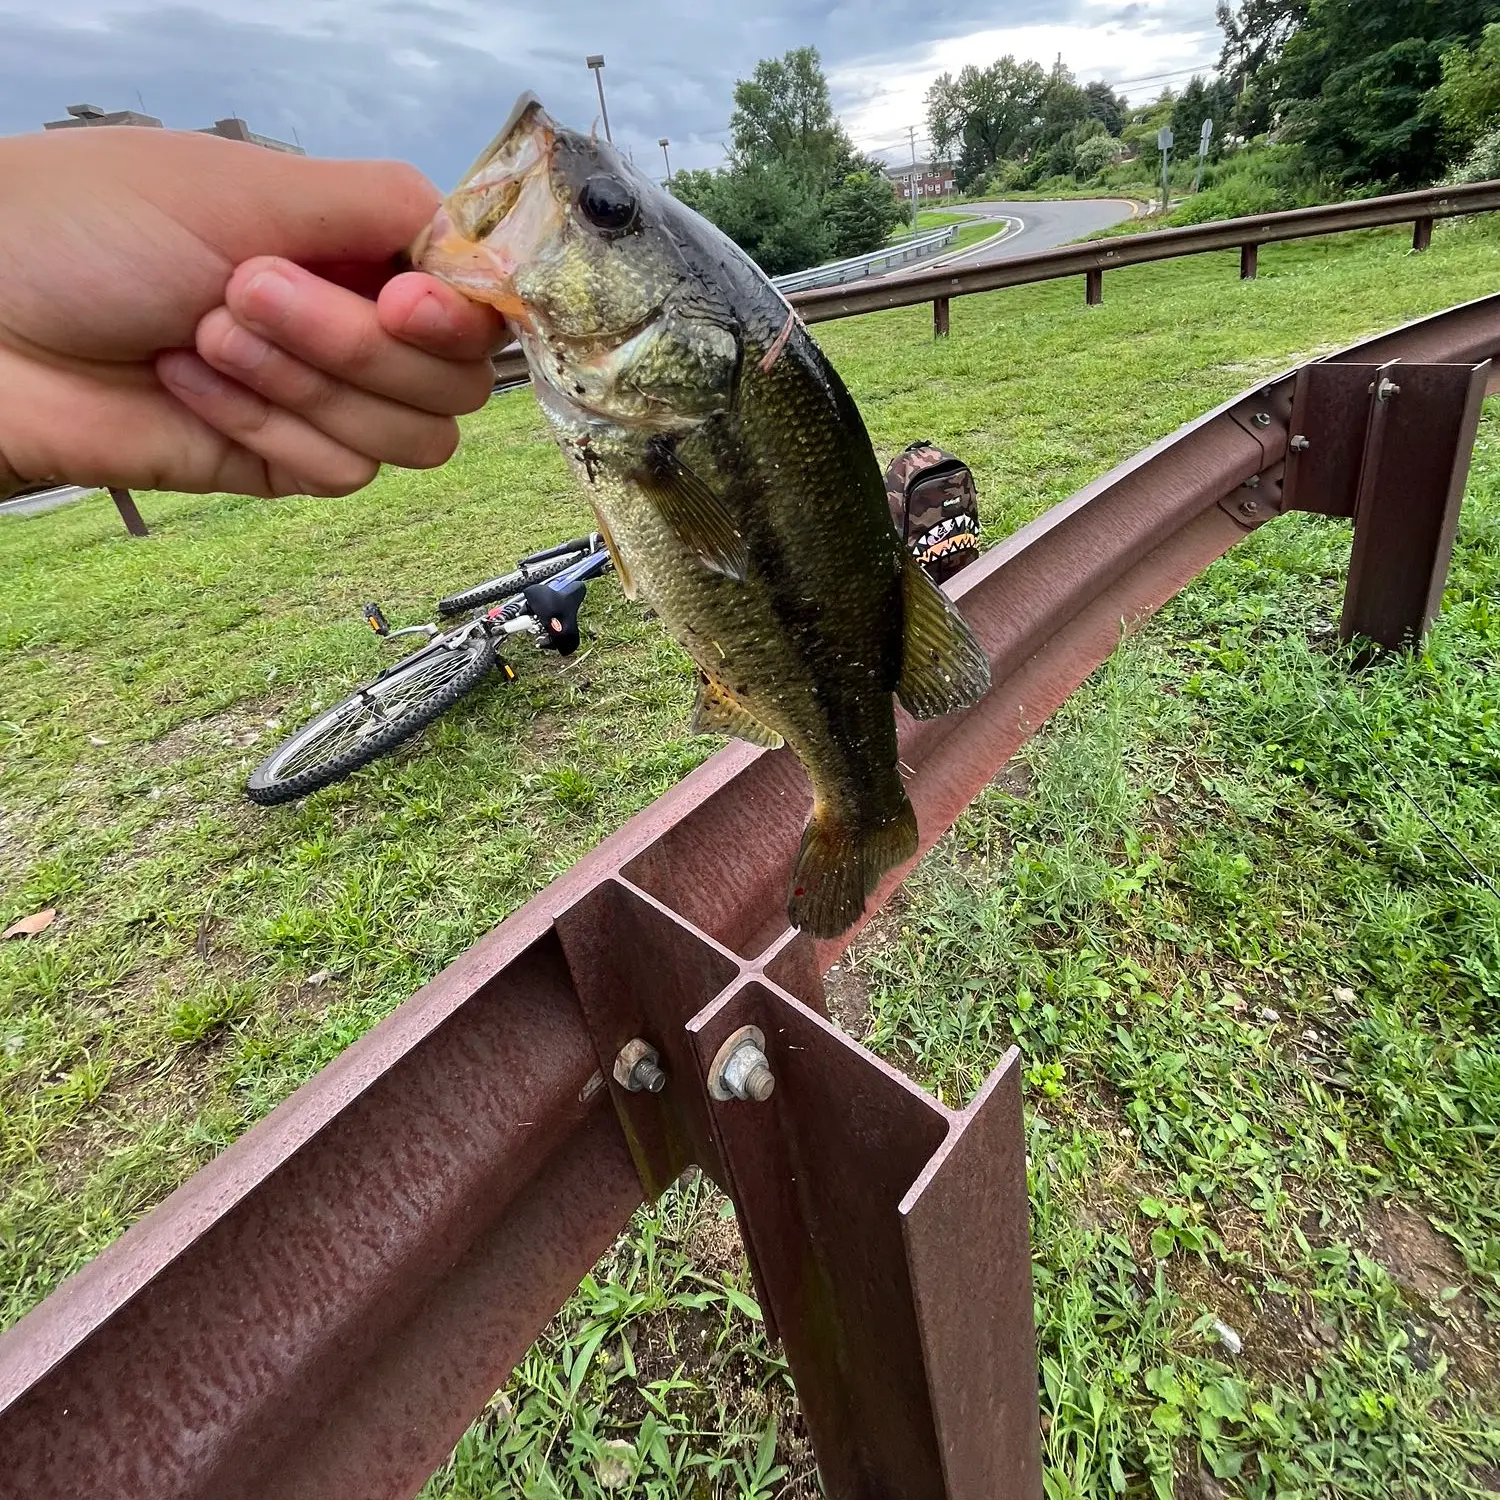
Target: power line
x,y
1120,83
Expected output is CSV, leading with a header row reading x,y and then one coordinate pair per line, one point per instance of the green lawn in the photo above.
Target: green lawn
x,y
1257,994
971,230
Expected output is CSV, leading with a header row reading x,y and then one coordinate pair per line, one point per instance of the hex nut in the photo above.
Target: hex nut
x,y
740,1069
1262,419
638,1068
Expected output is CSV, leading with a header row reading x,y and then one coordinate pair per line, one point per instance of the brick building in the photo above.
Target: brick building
x,y
232,129
923,179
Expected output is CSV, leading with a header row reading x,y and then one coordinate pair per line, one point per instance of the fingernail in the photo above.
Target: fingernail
x,y
269,295
428,318
190,374
242,349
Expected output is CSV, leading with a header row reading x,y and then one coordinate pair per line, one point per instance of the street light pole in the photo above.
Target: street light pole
x,y
664,143
595,62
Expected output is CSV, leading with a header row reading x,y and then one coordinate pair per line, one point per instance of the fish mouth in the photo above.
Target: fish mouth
x,y
501,211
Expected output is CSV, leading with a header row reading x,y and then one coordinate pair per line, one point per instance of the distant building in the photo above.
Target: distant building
x,y
91,114
923,179
232,129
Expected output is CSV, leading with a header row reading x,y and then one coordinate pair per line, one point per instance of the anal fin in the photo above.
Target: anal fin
x,y
718,711
693,511
942,666
627,583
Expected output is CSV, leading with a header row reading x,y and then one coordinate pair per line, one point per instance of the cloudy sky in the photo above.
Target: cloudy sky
x,y
430,80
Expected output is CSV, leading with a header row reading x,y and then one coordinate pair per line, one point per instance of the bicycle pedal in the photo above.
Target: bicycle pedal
x,y
376,620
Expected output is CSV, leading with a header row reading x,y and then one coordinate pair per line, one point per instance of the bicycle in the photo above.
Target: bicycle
x,y
541,598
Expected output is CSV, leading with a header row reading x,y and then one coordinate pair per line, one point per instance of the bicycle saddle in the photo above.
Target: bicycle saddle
x,y
556,611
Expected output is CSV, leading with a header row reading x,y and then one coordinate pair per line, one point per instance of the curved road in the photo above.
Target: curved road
x,y
1040,226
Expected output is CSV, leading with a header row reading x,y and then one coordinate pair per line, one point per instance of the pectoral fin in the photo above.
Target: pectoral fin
x,y
693,511
942,666
627,583
717,711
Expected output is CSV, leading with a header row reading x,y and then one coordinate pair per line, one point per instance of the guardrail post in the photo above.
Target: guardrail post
x,y
1421,234
940,317
1249,258
1093,287
125,504
1418,443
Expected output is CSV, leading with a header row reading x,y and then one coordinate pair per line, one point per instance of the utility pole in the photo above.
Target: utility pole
x,y
911,135
595,62
664,143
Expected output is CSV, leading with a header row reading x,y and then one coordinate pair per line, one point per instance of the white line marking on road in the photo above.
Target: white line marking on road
x,y
1015,227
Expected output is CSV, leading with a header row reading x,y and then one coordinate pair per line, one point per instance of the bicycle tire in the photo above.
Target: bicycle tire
x,y
284,775
493,590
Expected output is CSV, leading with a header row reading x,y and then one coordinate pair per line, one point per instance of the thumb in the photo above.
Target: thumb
x,y
274,203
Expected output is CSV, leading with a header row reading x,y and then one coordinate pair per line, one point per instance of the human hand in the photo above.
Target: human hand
x,y
138,268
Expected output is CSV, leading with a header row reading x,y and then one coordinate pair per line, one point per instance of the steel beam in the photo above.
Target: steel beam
x,y
1417,448
125,504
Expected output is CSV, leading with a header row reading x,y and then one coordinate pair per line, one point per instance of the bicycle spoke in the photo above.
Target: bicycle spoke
x,y
374,709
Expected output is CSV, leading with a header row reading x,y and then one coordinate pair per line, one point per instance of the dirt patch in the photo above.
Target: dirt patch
x,y
1430,1271
1014,779
1419,1259
847,993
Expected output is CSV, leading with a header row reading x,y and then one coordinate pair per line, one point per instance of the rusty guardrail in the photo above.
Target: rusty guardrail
x,y
322,1310
1093,258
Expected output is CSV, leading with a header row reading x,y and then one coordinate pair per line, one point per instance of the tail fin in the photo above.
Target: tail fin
x,y
839,865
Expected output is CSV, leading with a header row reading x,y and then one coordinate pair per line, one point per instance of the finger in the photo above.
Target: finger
x,y
124,430
338,332
369,424
298,458
421,310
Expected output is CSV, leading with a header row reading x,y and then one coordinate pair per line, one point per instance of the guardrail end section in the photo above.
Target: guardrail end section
x,y
1420,438
889,1238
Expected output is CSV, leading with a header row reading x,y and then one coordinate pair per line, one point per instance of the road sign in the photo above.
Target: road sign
x,y
1164,138
1206,134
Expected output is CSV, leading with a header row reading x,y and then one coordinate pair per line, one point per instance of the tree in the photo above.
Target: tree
x,y
1061,107
1467,100
1095,156
782,113
765,209
984,112
861,211
1255,34
1352,84
1199,102
1106,106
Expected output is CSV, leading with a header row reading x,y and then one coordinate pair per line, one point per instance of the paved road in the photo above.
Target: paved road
x,y
1042,225
31,505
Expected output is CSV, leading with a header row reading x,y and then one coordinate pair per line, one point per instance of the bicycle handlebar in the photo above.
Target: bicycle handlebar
x,y
578,544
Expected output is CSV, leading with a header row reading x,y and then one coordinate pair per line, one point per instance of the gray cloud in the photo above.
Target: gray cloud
x,y
427,80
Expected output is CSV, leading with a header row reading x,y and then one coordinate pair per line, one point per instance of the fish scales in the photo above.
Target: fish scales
x,y
732,474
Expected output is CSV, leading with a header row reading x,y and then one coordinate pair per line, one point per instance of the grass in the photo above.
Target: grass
x,y
970,231
1256,993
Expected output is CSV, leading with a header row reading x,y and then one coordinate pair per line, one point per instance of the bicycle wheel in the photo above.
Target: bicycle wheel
x,y
370,722
495,589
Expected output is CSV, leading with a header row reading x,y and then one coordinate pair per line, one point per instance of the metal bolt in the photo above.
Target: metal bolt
x,y
1262,419
740,1069
1386,389
1299,444
1249,507
1253,482
638,1068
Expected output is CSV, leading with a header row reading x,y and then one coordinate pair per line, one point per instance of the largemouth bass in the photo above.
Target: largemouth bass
x,y
731,475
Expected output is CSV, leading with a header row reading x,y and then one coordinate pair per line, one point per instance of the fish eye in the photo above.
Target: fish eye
x,y
606,202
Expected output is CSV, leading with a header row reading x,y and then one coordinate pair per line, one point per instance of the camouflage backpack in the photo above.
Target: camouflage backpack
x,y
935,507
